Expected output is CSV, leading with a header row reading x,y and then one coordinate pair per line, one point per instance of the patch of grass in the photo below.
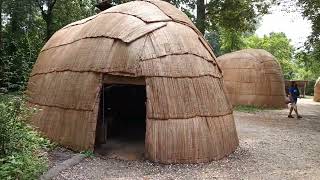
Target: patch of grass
x,y
21,148
248,108
88,153
251,108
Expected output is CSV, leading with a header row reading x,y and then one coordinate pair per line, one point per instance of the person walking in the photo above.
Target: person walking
x,y
293,96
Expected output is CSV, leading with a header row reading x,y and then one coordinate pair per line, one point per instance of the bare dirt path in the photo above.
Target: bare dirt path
x,y
271,147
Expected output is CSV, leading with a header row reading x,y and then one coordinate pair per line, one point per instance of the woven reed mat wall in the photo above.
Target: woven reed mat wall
x,y
316,96
189,118
253,77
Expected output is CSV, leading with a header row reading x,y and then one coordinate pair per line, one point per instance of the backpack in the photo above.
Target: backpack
x,y
297,93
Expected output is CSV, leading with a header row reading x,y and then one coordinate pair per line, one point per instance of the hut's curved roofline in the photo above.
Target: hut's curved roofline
x,y
258,55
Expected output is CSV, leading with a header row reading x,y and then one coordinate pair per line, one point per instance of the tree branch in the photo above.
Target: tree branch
x,y
41,7
51,5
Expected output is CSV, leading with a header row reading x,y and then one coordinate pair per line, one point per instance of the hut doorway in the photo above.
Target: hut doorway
x,y
121,122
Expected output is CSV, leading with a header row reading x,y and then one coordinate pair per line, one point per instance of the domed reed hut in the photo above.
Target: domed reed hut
x,y
98,77
316,96
253,77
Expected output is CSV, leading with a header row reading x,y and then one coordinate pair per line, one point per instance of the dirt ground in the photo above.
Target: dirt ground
x,y
272,146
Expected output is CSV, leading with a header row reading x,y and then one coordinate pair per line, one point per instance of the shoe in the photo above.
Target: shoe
x,y
299,117
290,116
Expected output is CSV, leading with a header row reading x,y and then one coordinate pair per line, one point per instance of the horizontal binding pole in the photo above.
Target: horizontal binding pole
x,y
190,117
112,79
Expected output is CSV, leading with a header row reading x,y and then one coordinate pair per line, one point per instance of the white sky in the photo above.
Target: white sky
x,y
291,23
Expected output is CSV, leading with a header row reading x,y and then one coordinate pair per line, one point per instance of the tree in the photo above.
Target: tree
x,y
25,31
278,45
308,59
232,19
66,11
311,10
201,16
306,65
46,8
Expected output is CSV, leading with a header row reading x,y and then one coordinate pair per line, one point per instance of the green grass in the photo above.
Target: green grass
x,y
251,108
88,153
248,108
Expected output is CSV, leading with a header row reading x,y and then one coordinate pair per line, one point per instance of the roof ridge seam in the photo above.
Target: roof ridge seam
x,y
184,53
109,37
101,72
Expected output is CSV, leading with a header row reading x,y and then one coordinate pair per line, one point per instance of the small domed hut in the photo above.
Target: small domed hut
x,y
253,77
139,60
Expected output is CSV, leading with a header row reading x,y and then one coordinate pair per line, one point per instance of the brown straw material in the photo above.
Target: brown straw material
x,y
253,77
317,91
189,118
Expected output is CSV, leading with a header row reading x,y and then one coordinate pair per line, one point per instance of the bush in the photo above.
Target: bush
x,y
20,146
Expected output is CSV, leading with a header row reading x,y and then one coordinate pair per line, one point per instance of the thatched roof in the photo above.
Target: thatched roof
x,y
189,118
317,91
253,77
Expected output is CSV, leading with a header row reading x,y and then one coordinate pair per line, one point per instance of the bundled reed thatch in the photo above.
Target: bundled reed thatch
x,y
253,77
189,118
316,96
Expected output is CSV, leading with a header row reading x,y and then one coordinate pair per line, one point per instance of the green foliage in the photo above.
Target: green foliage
x,y
309,59
250,108
231,41
88,153
20,146
307,65
231,19
66,12
311,10
214,40
279,46
23,32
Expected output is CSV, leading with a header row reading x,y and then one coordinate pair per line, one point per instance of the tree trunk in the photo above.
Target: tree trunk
x,y
49,30
47,15
201,16
1,2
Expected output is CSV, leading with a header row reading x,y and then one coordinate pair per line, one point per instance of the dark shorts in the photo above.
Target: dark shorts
x,y
294,100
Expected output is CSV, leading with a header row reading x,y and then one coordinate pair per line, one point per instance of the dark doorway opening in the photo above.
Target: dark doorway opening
x,y
121,122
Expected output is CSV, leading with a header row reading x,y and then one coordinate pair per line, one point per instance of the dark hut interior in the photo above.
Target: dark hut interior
x,y
122,119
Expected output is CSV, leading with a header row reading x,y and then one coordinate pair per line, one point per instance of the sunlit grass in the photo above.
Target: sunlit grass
x,y
251,108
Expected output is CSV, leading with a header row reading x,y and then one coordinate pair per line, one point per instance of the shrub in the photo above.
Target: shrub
x,y
21,148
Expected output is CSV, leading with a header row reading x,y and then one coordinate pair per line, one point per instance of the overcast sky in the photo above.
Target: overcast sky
x,y
291,23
